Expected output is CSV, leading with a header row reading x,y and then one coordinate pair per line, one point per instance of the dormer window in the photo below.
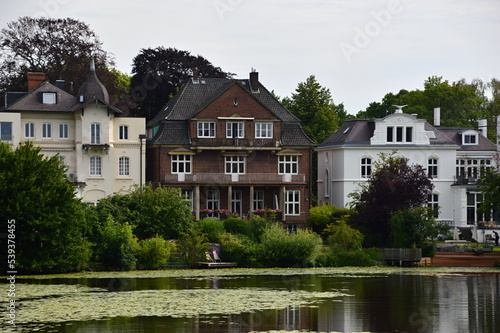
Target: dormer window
x,y
469,138
400,134
49,97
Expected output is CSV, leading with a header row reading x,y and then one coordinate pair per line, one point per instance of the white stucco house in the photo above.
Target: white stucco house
x,y
454,159
103,151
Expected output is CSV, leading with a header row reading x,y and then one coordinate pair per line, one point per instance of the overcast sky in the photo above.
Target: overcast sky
x,y
359,49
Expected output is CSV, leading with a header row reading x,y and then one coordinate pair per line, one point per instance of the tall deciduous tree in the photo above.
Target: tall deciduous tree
x,y
49,220
158,74
393,186
313,105
61,48
490,183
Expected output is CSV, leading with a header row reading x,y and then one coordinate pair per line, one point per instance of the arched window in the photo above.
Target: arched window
x,y
366,167
95,133
123,132
29,130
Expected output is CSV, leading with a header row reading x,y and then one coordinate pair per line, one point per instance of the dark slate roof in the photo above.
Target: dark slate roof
x,y
360,131
92,88
192,98
455,134
172,132
32,101
292,134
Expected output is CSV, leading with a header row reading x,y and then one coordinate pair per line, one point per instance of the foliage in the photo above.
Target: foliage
x,y
345,258
394,185
158,74
410,228
212,228
239,249
50,225
490,185
193,246
342,237
114,246
320,217
313,105
258,225
61,48
153,253
160,211
279,248
238,226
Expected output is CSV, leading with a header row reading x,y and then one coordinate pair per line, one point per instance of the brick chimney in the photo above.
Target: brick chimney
x,y
196,74
254,80
35,79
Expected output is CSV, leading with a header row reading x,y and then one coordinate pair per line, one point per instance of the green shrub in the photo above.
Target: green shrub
x,y
342,237
238,226
320,217
239,249
279,248
193,246
258,225
153,253
344,258
212,228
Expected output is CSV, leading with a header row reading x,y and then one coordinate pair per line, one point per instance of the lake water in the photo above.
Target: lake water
x,y
240,300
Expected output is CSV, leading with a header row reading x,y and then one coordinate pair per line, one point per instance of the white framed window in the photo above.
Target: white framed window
x,y
123,166
292,202
95,133
95,166
29,130
187,196
292,228
235,130
263,130
366,167
6,131
235,165
258,200
469,139
181,164
433,202
432,168
123,132
236,202
46,130
206,129
49,98
288,164
62,159
213,199
400,134
63,131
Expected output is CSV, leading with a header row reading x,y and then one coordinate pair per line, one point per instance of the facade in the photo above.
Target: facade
x,y
231,147
454,159
104,152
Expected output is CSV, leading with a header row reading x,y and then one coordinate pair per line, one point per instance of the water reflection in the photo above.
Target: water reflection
x,y
378,303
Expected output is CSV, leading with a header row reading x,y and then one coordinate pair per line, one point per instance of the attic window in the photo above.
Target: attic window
x,y
469,138
49,97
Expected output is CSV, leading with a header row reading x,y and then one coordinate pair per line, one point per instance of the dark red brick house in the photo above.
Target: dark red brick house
x,y
230,146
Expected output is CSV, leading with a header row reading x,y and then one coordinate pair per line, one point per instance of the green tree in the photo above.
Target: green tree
x,y
342,237
490,185
158,73
313,105
153,253
320,217
394,185
50,224
160,211
61,48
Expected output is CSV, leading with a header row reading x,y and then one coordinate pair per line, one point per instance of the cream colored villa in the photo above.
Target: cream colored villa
x,y
103,151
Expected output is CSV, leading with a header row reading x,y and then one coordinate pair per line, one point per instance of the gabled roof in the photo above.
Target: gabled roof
x,y
193,97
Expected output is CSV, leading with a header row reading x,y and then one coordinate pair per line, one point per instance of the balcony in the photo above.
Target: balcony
x,y
245,144
249,178
466,180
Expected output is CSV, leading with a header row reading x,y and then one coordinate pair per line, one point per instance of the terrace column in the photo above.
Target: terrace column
x,y
282,202
229,197
197,202
251,200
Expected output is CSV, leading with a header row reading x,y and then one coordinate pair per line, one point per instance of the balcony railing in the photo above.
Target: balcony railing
x,y
221,178
466,180
242,143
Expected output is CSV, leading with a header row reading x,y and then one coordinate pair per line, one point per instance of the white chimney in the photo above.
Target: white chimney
x,y
482,125
437,117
